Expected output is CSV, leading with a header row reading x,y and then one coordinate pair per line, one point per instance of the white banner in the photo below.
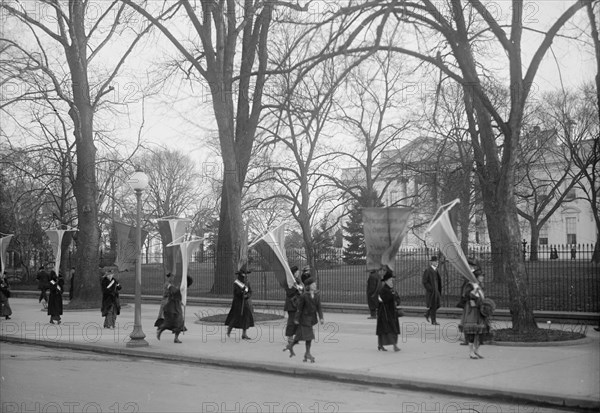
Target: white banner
x,y
441,231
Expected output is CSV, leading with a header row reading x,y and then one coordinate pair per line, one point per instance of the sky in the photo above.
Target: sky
x,y
567,63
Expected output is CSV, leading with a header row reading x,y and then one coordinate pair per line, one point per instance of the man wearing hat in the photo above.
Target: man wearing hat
x,y
241,313
433,290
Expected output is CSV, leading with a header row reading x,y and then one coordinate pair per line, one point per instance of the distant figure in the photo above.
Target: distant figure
x,y
55,300
373,286
5,310
173,312
241,314
553,254
111,307
71,282
433,290
43,279
573,252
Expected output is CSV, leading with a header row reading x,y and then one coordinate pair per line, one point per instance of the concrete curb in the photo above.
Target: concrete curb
x,y
563,343
309,371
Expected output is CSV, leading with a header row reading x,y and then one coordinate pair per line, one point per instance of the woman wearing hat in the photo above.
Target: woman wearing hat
x,y
292,297
111,307
164,301
55,302
388,327
173,312
241,313
473,324
309,307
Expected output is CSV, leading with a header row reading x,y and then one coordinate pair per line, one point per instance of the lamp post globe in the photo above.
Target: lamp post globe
x,y
138,182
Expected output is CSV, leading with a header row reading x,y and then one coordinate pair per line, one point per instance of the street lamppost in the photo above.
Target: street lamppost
x,y
139,182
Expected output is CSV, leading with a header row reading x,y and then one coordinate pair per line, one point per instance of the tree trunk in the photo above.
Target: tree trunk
x,y
226,259
85,188
534,241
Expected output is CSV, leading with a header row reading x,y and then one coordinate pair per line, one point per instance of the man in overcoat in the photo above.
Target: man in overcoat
x,y
433,290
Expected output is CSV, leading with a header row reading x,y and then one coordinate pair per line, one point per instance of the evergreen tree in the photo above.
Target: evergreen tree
x,y
355,251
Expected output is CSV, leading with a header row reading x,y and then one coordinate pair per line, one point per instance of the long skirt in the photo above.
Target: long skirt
x,y
290,327
387,339
304,333
110,318
473,323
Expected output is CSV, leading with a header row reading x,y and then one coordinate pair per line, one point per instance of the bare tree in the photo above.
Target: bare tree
x,y
60,45
369,111
298,121
220,30
449,37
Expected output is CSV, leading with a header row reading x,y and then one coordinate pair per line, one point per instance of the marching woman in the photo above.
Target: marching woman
x,y
55,301
474,323
111,307
173,312
388,327
241,313
5,310
292,296
309,307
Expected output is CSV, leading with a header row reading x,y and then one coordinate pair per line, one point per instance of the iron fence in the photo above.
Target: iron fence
x,y
562,283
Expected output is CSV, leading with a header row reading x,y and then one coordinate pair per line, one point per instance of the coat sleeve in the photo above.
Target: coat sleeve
x,y
319,308
299,310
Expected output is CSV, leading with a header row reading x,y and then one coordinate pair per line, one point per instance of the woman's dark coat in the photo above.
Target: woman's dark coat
x,y
241,313
387,320
110,296
173,311
55,302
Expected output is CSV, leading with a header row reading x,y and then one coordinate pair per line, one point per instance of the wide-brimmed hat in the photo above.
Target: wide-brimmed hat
x,y
243,270
294,268
388,274
433,258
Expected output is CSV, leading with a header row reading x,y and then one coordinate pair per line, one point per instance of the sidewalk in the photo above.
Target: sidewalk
x,y
345,350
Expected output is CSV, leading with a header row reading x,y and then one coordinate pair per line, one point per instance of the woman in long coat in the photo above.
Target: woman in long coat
x,y
55,301
309,307
241,313
292,297
111,307
173,312
388,327
5,310
164,301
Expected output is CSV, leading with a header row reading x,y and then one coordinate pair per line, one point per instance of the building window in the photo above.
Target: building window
x,y
571,230
543,238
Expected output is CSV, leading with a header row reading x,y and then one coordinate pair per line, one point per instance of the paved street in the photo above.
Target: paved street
x,y
40,379
345,348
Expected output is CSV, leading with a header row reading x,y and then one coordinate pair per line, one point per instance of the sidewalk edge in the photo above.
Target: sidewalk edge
x,y
329,374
